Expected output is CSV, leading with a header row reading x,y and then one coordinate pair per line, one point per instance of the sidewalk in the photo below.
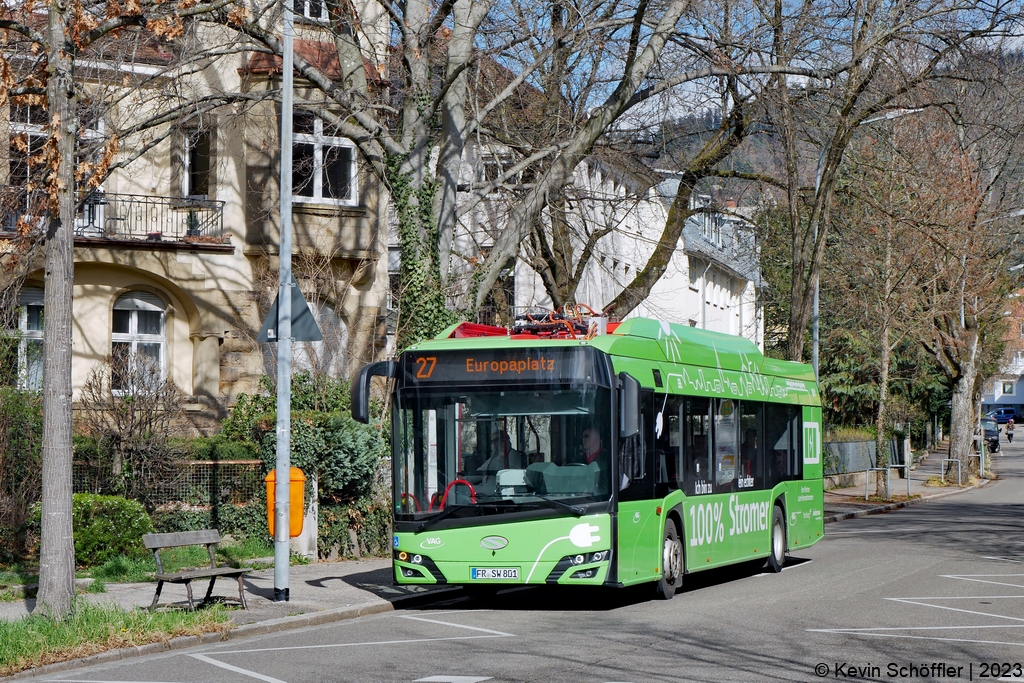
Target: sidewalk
x,y
317,587
846,503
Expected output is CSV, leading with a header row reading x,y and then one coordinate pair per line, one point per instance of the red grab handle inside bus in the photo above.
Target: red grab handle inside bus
x,y
472,492
407,496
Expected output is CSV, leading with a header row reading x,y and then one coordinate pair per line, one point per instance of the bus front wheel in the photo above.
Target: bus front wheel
x,y
778,557
672,562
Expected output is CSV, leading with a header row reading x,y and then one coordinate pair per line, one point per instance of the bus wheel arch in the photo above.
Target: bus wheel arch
x,y
673,558
779,541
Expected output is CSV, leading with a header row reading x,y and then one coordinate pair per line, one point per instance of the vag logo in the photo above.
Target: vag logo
x,y
812,443
432,543
493,542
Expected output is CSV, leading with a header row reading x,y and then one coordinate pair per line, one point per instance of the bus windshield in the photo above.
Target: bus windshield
x,y
468,453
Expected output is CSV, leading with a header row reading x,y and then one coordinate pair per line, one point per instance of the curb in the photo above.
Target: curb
x,y
895,506
183,642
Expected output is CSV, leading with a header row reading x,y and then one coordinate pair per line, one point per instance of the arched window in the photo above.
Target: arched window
x,y
138,331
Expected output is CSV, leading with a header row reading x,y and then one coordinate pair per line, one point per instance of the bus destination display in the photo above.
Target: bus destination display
x,y
505,365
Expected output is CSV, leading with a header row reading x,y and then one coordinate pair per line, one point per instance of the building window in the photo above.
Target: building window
x,y
694,266
29,338
1008,388
138,341
198,161
394,288
312,9
323,165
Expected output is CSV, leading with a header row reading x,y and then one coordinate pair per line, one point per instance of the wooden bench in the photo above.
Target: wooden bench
x,y
207,537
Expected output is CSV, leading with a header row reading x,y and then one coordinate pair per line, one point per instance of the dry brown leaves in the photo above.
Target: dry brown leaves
x,y
168,29
81,23
98,171
238,15
7,80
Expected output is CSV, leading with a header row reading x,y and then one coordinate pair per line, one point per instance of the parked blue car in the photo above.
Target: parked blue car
x,y
1003,415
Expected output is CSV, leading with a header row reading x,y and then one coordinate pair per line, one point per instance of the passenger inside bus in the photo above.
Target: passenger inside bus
x,y
502,455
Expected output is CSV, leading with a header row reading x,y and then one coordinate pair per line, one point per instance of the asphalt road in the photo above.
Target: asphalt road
x,y
931,592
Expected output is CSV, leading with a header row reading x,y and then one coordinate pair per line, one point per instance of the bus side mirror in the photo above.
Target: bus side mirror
x,y
629,406
361,387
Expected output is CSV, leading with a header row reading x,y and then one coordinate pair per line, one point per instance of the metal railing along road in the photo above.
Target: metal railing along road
x,y
107,215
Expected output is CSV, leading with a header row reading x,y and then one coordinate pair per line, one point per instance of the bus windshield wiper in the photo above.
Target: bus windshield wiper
x,y
443,514
577,510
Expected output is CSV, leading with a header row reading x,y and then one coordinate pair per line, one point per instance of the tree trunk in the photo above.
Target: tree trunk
x,y
961,427
57,550
881,454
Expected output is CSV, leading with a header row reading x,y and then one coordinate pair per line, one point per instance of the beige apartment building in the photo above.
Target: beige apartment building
x,y
176,252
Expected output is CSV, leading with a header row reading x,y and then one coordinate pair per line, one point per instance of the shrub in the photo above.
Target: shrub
x,y
130,411
218,448
848,434
104,527
21,433
341,452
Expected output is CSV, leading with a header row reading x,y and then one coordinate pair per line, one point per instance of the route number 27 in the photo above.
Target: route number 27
x,y
426,366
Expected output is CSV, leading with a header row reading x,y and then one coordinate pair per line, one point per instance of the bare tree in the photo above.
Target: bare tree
x,y
893,51
131,410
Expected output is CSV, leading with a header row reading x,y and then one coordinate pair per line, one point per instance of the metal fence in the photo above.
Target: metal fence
x,y
842,457
199,482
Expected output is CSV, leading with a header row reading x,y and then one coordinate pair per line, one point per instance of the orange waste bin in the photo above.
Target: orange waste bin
x,y
297,498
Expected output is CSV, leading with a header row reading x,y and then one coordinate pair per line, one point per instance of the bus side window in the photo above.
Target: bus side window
x,y
641,479
726,444
668,442
696,416
783,436
751,467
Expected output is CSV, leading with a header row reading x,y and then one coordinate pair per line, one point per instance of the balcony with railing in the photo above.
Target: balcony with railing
x,y
105,217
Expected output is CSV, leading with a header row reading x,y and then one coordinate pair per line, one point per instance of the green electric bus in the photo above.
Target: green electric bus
x,y
548,454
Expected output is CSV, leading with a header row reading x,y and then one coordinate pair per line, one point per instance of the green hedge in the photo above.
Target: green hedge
x,y
104,527
240,521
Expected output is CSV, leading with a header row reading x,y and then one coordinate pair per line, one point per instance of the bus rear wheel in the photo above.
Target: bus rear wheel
x,y
672,563
777,559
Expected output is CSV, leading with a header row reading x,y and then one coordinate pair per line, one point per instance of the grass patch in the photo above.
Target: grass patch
x,y
18,577
36,640
245,549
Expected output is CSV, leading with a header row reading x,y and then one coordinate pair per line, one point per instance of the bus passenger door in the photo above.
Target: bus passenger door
x,y
699,483
639,525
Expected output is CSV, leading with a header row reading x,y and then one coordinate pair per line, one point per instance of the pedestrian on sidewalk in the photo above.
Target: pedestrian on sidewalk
x,y
1009,431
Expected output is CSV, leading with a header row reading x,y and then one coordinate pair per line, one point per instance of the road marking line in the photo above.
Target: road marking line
x,y
785,568
453,679
321,647
871,531
448,623
990,583
236,669
964,597
916,628
893,635
1001,559
955,609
